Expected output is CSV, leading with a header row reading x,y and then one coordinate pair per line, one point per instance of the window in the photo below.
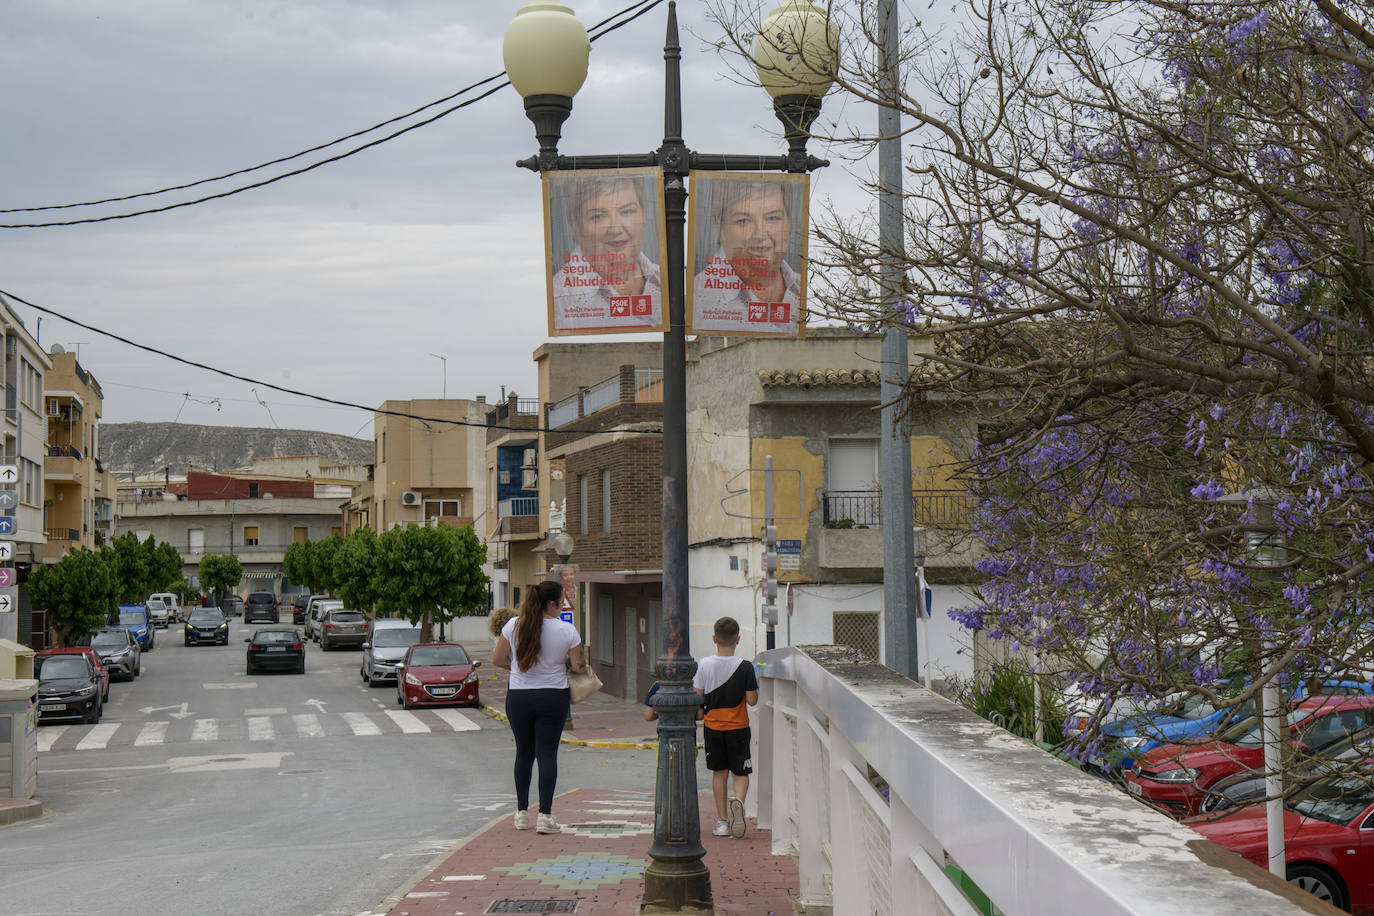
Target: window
x,y
491,487
252,491
852,491
195,538
443,508
299,534
605,630
605,500
250,535
582,494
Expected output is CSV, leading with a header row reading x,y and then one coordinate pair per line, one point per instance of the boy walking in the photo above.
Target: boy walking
x,y
728,687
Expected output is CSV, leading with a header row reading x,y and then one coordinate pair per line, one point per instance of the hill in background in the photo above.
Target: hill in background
x,y
146,448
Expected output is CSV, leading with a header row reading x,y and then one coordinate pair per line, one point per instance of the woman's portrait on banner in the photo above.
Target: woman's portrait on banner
x,y
747,254
604,237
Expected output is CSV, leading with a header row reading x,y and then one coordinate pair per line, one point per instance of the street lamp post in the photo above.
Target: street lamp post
x,y
546,51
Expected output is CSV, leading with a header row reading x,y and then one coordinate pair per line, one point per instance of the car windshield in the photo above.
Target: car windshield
x,y
262,598
110,640
395,637
206,618
345,616
56,667
132,618
1336,800
274,637
425,656
155,604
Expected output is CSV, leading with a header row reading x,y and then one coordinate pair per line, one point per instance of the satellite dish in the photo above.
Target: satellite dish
x,y
57,350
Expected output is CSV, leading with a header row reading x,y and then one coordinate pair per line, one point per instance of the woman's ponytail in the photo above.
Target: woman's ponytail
x,y
531,626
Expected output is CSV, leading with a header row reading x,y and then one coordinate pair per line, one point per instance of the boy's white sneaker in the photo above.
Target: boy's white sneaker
x,y
548,825
737,824
722,827
522,820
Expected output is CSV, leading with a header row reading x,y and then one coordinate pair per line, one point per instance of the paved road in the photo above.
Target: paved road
x,y
205,791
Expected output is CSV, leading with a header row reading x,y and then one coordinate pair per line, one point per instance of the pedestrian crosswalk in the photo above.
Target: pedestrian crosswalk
x,y
260,728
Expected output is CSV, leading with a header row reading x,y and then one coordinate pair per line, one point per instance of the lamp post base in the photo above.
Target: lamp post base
x,y
677,887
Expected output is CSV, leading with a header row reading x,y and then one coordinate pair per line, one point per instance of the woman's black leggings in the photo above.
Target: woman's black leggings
x,y
536,719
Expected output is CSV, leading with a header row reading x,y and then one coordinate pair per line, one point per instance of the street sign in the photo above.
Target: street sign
x,y
6,550
789,554
9,473
6,524
9,601
6,576
8,499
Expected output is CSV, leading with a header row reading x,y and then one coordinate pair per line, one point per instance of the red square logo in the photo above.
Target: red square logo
x,y
758,311
779,312
620,306
642,306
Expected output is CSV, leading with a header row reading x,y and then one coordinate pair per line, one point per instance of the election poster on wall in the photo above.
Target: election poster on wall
x,y
604,243
747,254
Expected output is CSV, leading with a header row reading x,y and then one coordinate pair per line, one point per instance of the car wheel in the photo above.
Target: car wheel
x,y
300,668
362,672
1318,882
138,669
400,699
251,670
93,716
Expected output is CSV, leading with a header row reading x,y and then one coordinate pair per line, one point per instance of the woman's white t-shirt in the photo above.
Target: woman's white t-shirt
x,y
549,669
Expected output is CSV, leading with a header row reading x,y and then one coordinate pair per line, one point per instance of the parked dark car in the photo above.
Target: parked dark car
x,y
342,627
232,606
437,674
278,648
387,645
101,671
299,605
119,652
207,624
261,607
136,619
68,688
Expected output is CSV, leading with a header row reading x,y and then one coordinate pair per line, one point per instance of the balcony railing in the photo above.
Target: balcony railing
x,y
565,411
894,800
61,534
648,386
946,509
64,451
518,507
603,394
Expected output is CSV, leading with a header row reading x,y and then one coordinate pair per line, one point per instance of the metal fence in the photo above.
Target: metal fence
x,y
564,412
518,507
947,508
648,386
605,393
854,507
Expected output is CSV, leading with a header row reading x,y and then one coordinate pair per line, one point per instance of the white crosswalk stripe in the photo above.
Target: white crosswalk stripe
x,y
47,737
98,736
308,725
260,729
205,730
153,733
410,725
456,720
361,724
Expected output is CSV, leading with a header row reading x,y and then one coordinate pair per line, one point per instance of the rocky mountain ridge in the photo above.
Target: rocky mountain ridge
x,y
147,448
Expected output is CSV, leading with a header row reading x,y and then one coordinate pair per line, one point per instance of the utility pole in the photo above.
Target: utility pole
x,y
900,651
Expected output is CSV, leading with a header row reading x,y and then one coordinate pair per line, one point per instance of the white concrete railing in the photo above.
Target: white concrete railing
x,y
1035,835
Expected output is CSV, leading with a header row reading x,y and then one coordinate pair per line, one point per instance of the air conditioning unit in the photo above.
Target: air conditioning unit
x,y
54,408
531,459
529,479
411,498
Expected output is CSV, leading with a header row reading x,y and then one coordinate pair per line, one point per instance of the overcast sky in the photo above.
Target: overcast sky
x,y
341,281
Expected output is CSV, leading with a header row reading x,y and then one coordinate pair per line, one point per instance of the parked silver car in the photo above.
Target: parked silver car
x,y
118,652
343,627
385,647
159,612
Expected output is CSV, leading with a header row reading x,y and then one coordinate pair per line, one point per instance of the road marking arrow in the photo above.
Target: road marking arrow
x,y
184,712
149,710
318,704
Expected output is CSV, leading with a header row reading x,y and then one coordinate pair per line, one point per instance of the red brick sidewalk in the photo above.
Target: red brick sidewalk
x,y
596,866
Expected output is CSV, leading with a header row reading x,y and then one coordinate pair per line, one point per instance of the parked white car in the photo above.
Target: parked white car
x,y
158,612
314,620
174,612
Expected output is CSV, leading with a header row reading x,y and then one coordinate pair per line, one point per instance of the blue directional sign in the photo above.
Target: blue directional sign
x,y
565,616
6,524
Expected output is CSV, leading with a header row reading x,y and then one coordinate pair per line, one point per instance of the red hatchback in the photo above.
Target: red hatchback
x,y
1175,777
1326,827
437,674
100,669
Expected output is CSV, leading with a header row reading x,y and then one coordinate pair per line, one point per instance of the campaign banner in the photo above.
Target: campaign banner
x,y
747,254
604,242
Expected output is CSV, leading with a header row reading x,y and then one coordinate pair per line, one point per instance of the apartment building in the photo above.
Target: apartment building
x,y
25,446
812,404
430,464
75,486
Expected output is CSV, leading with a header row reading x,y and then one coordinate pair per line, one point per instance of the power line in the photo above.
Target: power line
x,y
640,8
305,394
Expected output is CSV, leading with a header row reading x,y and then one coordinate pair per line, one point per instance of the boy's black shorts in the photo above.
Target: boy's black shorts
x,y
728,750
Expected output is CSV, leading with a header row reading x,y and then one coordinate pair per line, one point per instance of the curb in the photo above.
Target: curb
x,y
14,810
494,713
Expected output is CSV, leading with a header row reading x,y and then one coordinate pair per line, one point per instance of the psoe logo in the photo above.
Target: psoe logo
x,y
620,306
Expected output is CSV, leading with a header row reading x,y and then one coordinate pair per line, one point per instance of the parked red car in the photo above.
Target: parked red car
x,y
437,674
100,669
1175,777
1326,851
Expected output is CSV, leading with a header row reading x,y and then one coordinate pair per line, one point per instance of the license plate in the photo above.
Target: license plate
x,y
1133,787
444,691
276,648
52,707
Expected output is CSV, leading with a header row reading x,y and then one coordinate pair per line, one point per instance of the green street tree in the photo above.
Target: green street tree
x,y
323,553
131,563
78,592
164,568
355,570
299,564
430,574
219,573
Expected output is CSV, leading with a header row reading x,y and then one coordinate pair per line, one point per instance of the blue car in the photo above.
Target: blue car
x,y
136,619
1191,719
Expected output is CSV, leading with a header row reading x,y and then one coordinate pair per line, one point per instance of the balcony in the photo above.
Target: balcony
x,y
851,534
58,535
518,507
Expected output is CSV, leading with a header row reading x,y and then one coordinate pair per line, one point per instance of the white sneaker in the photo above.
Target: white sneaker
x,y
722,827
522,820
737,824
548,825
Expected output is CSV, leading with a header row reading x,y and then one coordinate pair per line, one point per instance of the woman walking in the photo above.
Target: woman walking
x,y
537,647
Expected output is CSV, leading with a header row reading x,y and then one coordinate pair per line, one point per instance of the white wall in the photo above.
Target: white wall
x,y
718,591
